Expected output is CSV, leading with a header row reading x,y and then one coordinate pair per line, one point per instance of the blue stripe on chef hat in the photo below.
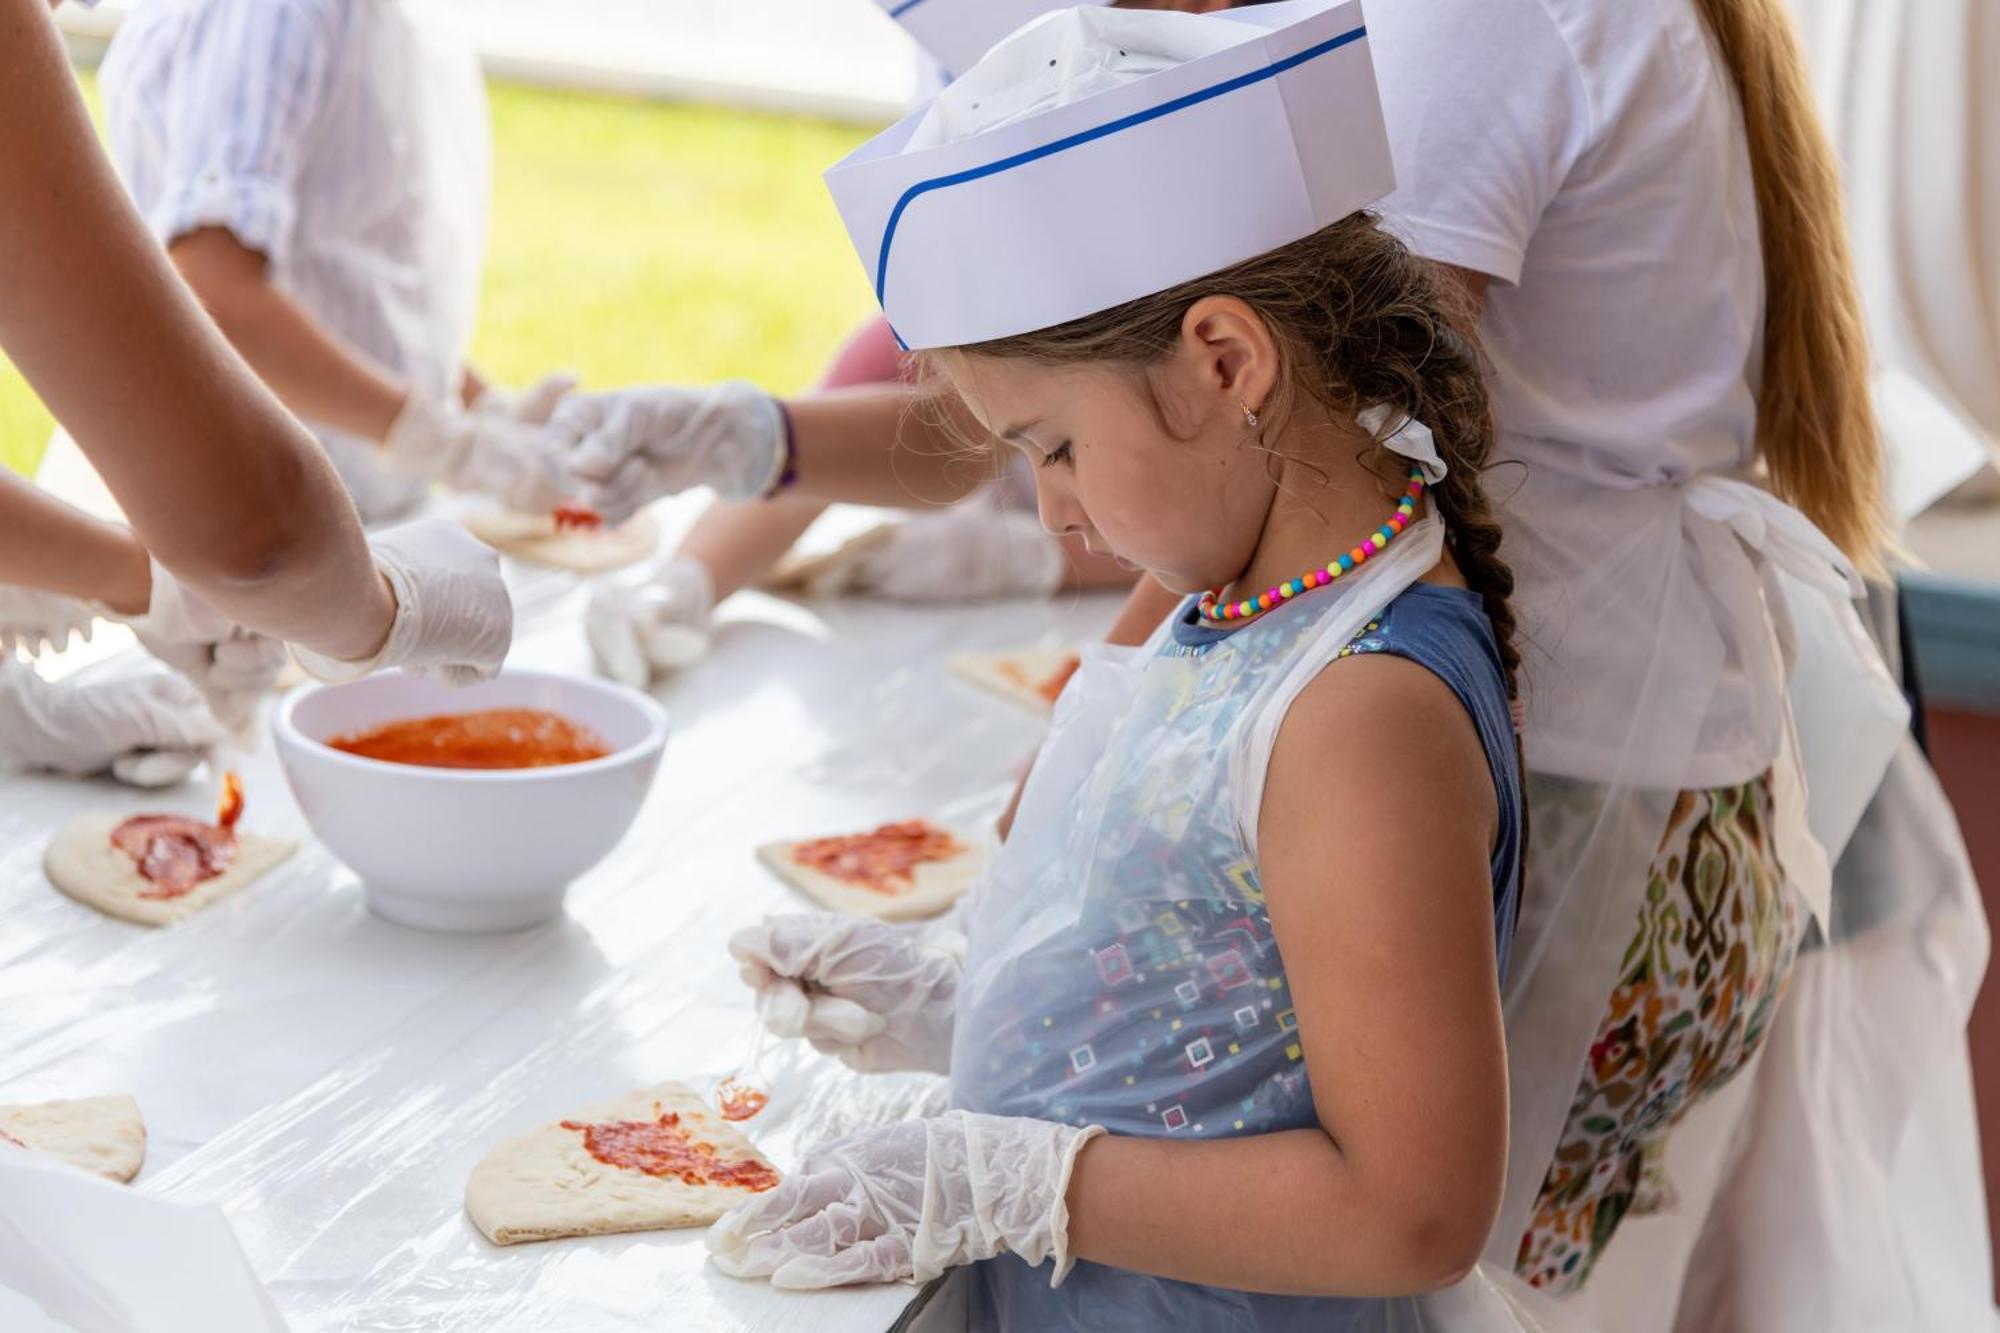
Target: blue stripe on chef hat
x,y
1181,103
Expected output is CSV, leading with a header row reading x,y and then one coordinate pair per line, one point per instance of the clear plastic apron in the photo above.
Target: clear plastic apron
x,y
1121,971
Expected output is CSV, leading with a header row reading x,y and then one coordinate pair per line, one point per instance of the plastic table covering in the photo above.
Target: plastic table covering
x,y
330,1078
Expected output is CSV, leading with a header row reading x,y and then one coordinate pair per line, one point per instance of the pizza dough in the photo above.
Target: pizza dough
x,y
1029,676
535,539
826,573
83,863
546,1183
101,1134
935,885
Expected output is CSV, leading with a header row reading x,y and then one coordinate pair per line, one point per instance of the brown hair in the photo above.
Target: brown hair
x,y
1360,322
1815,419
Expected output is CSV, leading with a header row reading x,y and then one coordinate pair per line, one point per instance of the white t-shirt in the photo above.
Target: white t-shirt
x,y
1588,155
345,140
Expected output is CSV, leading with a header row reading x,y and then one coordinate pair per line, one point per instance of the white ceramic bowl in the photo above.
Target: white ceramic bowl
x,y
468,850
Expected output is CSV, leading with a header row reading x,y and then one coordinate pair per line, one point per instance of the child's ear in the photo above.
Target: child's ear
x,y
1232,351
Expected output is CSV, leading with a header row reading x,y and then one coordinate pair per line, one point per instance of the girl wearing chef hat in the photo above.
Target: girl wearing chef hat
x,y
1227,1019
238,526
1617,204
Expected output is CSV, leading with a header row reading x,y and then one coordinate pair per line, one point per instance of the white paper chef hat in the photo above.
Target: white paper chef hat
x,y
1099,155
956,33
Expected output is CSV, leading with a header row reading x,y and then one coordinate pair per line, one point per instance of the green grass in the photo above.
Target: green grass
x,y
637,241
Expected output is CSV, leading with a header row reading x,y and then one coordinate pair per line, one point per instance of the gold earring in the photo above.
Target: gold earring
x,y
1249,414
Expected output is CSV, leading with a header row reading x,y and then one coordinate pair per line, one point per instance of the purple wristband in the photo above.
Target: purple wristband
x,y
789,472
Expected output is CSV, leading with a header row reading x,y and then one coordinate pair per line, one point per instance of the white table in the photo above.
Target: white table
x,y
330,1078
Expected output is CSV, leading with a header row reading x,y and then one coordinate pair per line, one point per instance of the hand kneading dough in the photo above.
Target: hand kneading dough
x,y
534,538
935,885
83,863
1017,675
545,1184
101,1134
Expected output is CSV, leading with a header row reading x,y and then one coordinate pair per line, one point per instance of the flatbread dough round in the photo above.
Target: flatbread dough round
x,y
83,863
545,1184
534,538
826,573
1025,676
101,1134
935,885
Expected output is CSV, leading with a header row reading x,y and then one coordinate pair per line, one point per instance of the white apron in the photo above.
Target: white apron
x,y
1722,590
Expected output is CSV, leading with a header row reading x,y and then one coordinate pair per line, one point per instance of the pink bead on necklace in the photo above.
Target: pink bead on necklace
x,y
1370,545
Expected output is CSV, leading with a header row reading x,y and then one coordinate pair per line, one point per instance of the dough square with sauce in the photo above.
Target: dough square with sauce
x,y
82,861
547,1184
932,886
101,1134
1033,677
535,539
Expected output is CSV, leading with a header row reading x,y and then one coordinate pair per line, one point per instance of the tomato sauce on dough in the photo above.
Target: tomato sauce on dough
x,y
1051,687
884,861
573,517
740,1101
175,853
662,1148
490,738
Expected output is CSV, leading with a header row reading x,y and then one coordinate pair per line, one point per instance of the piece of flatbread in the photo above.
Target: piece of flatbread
x,y
935,885
1020,675
83,862
101,1134
534,538
825,574
545,1184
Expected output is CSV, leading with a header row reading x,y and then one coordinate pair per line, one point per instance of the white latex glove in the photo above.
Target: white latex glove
x,y
878,996
33,620
150,730
907,1201
532,406
518,463
454,619
969,552
633,446
232,667
645,626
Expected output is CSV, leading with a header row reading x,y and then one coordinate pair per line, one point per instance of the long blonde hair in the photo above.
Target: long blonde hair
x,y
1815,416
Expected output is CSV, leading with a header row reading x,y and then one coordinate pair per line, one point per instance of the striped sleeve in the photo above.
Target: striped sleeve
x,y
232,94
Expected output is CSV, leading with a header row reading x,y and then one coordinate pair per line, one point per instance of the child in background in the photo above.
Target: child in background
x,y
1260,892
318,171
987,545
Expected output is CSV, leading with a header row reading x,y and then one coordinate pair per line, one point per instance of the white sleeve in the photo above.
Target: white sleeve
x,y
236,104
1487,109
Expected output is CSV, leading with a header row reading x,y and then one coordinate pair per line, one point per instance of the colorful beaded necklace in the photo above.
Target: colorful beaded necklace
x,y
1371,545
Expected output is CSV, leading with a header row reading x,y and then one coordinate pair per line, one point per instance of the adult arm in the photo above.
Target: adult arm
x,y
224,487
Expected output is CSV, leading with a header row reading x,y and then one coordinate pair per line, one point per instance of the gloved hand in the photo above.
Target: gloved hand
x,y
904,1202
518,463
454,618
31,619
645,626
150,730
232,667
969,552
878,996
633,446
532,406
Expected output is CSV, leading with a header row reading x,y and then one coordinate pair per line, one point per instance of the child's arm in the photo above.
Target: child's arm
x,y
1374,846
311,369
